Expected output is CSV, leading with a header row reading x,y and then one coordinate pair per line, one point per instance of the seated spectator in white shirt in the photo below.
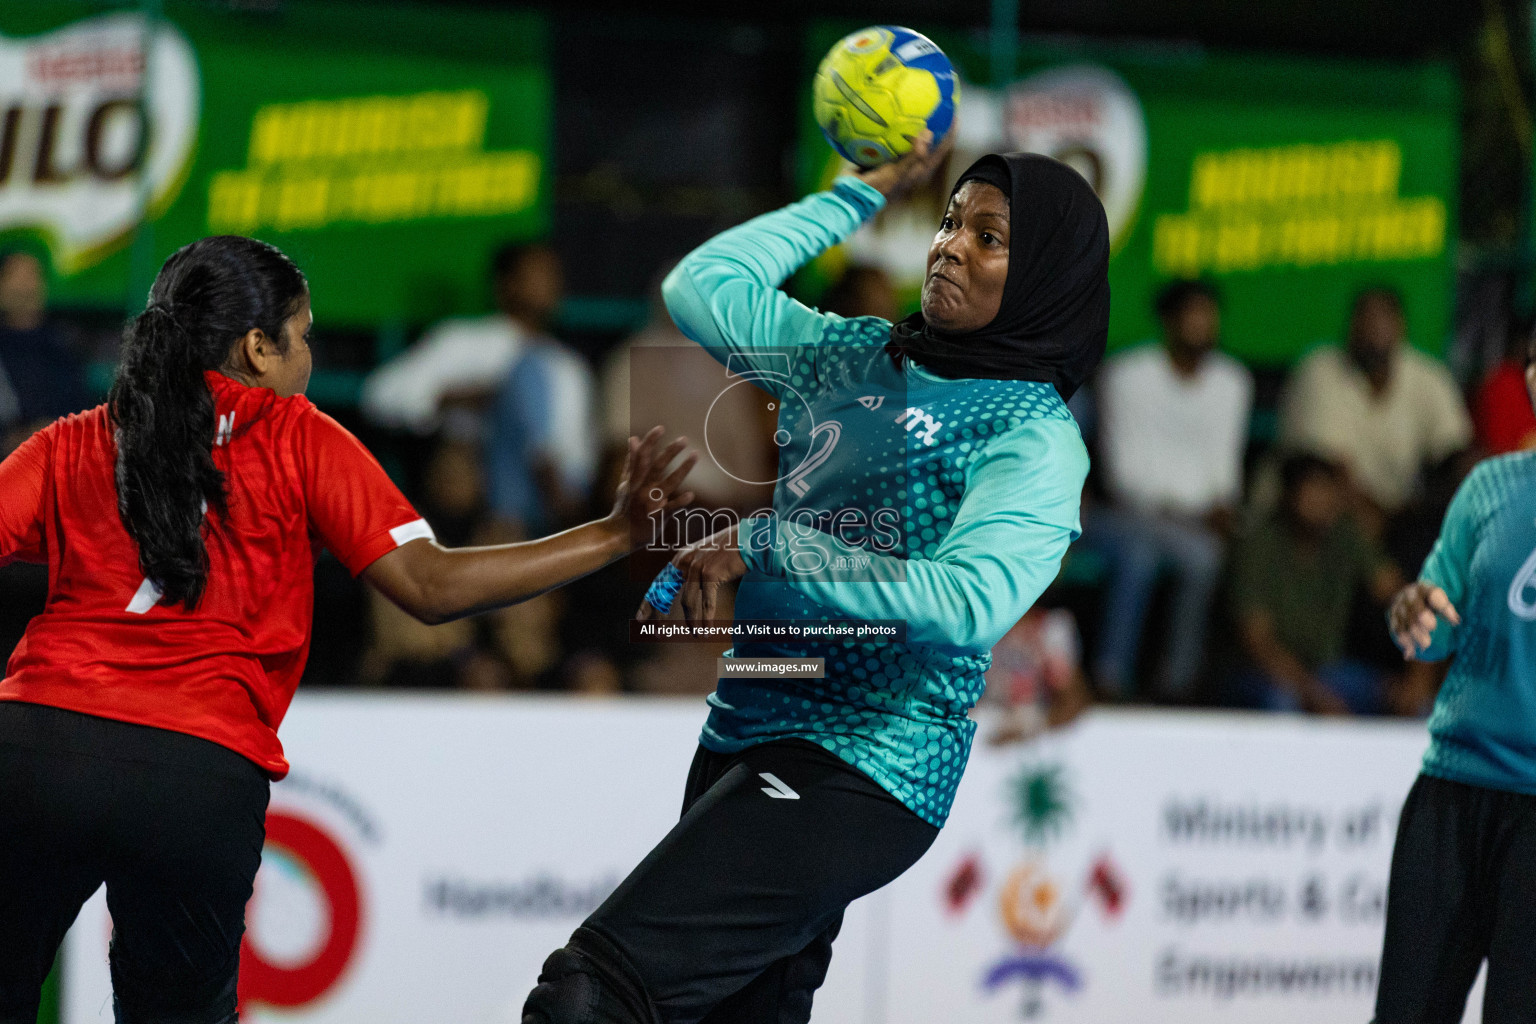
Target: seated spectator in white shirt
x,y
541,452
541,448
504,383
1382,410
1173,426
466,359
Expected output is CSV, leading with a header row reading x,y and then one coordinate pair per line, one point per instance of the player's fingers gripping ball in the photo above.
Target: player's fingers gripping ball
x,y
664,589
879,88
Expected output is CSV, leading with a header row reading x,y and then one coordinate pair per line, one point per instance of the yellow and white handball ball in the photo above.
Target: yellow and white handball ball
x,y
879,88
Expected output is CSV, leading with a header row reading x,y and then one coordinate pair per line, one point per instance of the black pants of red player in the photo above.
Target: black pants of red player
x,y
172,824
1463,889
730,920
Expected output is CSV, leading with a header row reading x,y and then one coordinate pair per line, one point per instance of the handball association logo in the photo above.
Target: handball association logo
x,y
308,898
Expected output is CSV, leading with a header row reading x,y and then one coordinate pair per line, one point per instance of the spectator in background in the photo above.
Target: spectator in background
x,y
1380,409
41,379
1295,578
1036,681
1502,411
404,652
466,359
510,407
541,454
539,457
1173,425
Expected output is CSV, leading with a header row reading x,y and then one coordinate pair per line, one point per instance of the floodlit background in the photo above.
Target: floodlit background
x,y
1336,196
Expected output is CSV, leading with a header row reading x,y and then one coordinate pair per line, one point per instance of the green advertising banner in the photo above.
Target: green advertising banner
x,y
387,149
1290,184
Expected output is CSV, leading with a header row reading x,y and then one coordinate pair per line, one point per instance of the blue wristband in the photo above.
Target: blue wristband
x,y
664,589
859,194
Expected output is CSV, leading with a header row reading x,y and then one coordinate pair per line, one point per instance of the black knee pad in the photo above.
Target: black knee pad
x,y
566,993
589,982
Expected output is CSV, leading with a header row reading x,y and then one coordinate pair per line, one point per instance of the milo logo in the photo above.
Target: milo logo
x,y
97,125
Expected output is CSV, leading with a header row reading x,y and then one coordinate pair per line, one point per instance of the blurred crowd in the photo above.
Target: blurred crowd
x,y
1243,569
1242,529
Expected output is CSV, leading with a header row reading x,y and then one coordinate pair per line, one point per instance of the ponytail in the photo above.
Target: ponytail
x,y
206,297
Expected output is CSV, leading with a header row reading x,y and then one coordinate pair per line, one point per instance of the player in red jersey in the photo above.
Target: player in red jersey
x,y
180,524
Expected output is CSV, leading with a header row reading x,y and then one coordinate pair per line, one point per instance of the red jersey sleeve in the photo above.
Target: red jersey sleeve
x,y
1502,412
354,508
23,482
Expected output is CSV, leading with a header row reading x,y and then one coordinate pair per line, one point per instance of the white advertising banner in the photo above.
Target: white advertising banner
x,y
1159,867
428,852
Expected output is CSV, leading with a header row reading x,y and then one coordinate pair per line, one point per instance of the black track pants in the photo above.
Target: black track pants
x,y
172,824
730,920
1463,889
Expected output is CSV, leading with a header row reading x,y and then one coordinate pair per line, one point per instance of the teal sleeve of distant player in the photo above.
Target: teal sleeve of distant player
x,y
725,294
996,560
1447,564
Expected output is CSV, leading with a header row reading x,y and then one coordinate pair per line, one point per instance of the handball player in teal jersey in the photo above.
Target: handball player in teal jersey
x,y
1463,885
930,475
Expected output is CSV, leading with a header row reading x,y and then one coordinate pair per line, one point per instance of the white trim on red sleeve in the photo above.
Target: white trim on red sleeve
x,y
412,531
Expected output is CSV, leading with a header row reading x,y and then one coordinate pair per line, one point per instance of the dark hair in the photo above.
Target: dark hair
x,y
1376,293
1299,467
205,298
1175,295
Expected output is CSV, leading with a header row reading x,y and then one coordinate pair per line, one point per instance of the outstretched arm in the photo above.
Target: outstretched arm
x,y
437,584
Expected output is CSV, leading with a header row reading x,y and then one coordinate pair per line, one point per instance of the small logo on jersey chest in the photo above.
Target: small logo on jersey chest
x,y
926,426
872,402
226,427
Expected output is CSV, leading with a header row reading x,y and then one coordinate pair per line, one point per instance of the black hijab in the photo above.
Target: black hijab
x,y
1054,317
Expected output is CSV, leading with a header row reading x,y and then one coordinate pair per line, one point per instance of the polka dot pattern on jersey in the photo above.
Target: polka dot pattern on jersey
x,y
897,711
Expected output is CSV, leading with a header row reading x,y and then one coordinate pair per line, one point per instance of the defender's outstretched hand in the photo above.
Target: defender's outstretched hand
x,y
1415,613
916,166
646,487
701,569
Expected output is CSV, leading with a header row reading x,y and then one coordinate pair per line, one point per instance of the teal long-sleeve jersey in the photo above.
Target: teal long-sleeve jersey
x,y
945,504
1483,728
